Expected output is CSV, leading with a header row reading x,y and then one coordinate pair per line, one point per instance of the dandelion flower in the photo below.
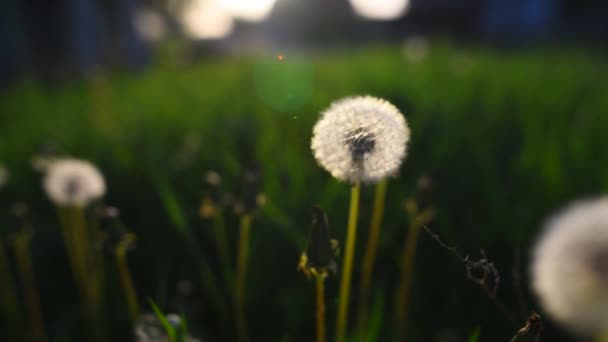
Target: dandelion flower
x,y
360,138
73,182
569,271
3,176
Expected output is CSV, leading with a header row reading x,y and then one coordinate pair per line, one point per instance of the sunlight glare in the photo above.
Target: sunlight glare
x,y
249,10
207,19
380,9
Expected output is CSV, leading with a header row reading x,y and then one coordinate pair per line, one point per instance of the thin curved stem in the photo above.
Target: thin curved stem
x,y
320,308
347,267
407,266
127,282
21,245
9,304
369,257
241,272
222,245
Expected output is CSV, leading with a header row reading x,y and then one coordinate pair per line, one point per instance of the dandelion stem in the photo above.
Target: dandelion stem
x,y
369,257
348,263
8,298
402,296
126,280
241,272
320,308
21,245
80,253
222,243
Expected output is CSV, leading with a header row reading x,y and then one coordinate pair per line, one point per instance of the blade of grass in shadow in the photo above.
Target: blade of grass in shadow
x,y
475,335
183,328
376,319
180,224
163,320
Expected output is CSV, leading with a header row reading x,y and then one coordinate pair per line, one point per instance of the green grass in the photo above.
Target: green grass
x,y
507,137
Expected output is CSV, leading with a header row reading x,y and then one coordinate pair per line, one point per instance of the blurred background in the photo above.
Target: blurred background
x,y
506,100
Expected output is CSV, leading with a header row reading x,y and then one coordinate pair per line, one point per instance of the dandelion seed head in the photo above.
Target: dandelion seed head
x,y
360,138
73,182
569,270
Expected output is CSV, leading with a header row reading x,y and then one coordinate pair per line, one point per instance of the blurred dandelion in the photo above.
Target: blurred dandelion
x,y
569,269
4,175
73,182
358,139
319,261
72,185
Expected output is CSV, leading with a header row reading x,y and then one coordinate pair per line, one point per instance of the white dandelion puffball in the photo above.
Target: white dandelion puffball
x,y
569,269
73,182
360,138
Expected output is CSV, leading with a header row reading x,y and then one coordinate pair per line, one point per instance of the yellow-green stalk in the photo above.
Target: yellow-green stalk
x,y
125,276
320,308
21,246
407,265
241,273
369,257
318,261
8,297
84,263
349,254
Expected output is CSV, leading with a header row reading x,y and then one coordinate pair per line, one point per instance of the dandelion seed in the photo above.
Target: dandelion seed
x,y
360,138
569,270
73,182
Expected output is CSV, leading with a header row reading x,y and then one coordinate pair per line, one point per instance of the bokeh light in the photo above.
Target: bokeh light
x,y
380,9
206,19
249,10
150,24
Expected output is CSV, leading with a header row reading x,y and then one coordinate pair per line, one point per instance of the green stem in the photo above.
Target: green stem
x,y
79,245
222,244
369,257
126,281
320,308
402,296
348,263
8,298
241,272
21,245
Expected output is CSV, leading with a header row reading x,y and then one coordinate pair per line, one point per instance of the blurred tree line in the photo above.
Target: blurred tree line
x,y
50,40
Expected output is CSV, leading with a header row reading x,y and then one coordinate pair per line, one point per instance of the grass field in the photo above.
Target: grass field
x,y
507,137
